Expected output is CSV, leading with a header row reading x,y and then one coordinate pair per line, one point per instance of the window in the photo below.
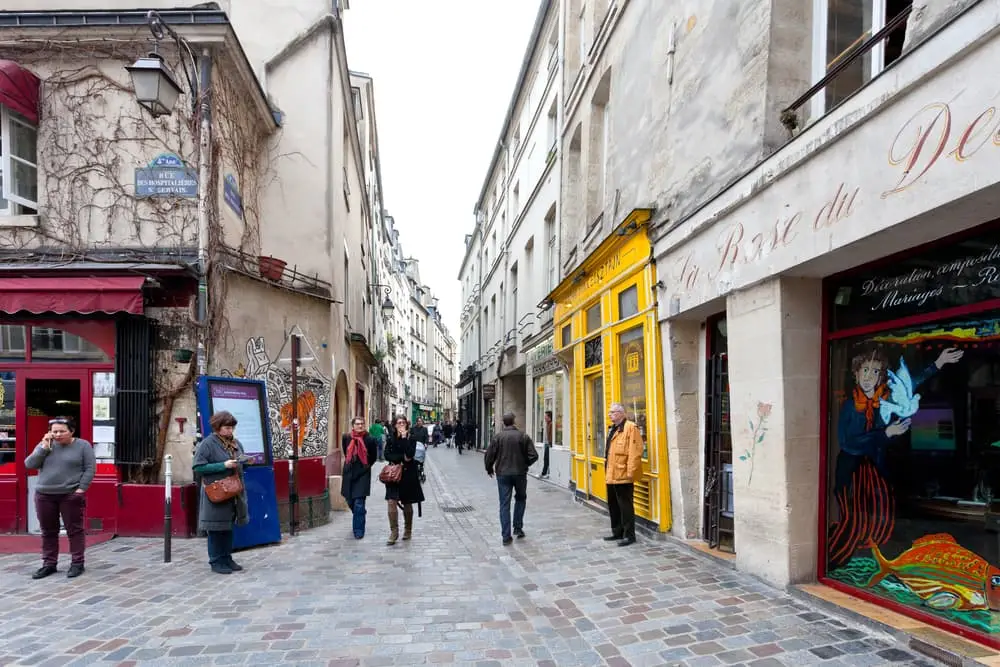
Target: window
x,y
12,342
632,379
550,131
628,302
513,294
605,152
516,141
517,198
839,27
594,318
48,344
567,335
18,164
358,109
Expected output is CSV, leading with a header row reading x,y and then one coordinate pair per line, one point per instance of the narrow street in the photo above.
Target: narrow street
x,y
452,596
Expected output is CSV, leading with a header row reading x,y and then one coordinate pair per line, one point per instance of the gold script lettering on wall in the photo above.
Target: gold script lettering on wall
x,y
739,244
926,136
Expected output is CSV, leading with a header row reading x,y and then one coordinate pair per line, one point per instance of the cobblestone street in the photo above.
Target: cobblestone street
x,y
453,595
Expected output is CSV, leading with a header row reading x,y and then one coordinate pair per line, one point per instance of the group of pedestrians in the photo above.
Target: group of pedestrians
x,y
66,467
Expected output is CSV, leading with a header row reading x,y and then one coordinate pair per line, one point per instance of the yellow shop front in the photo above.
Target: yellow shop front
x,y
606,332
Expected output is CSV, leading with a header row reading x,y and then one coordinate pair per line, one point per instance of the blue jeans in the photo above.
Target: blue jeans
x,y
381,445
220,547
518,484
358,508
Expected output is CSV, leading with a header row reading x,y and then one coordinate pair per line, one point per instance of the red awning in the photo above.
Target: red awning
x,y
122,294
19,90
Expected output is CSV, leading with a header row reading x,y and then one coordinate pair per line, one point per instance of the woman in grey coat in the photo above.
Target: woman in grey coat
x,y
219,455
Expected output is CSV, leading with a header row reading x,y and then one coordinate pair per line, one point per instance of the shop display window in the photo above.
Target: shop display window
x,y
12,347
632,378
50,344
913,466
548,398
8,460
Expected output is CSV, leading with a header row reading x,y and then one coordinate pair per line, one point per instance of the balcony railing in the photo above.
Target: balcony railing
x,y
789,115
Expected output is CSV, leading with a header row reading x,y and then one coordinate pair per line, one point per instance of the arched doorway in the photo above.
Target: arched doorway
x,y
341,412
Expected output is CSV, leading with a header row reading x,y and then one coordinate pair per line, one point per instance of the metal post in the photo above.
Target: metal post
x,y
293,489
204,158
168,476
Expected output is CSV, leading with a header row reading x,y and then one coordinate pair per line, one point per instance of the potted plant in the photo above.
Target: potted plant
x,y
271,268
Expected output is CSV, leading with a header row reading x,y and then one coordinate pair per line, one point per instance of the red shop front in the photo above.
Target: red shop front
x,y
79,348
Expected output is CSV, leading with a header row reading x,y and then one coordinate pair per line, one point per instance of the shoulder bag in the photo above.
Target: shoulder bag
x,y
224,489
392,473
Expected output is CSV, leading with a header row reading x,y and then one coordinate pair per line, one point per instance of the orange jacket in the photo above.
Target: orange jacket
x,y
625,456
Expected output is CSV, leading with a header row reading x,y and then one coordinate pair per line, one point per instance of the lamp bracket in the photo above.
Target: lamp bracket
x,y
161,30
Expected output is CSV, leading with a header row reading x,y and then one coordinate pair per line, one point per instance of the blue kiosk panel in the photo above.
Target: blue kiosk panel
x,y
247,400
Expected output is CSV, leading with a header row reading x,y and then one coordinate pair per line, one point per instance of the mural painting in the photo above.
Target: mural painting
x,y
757,433
314,391
914,458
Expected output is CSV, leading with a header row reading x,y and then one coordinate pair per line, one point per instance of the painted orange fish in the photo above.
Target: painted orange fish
x,y
944,574
307,414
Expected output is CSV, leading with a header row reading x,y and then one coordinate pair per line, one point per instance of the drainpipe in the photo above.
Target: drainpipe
x,y
204,160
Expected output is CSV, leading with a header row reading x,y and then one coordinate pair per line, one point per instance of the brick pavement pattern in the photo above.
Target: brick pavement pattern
x,y
451,596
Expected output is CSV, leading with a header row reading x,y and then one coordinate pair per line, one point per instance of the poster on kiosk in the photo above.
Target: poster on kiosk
x,y
247,401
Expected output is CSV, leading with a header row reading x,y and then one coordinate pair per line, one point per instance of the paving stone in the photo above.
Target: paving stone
x,y
451,596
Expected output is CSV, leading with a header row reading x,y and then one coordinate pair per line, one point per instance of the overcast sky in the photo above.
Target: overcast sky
x,y
444,72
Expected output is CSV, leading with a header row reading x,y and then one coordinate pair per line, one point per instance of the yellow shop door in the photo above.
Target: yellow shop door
x,y
595,433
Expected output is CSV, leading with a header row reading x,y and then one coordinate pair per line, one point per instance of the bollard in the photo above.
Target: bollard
x,y
167,518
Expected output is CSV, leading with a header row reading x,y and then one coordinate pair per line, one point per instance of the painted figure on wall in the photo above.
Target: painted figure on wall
x,y
314,391
878,410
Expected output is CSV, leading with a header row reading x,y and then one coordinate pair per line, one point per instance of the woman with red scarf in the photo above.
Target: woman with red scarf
x,y
360,451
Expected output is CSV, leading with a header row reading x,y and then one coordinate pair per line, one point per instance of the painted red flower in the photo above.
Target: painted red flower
x,y
763,409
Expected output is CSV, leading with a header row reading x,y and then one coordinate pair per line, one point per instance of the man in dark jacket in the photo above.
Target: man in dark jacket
x,y
510,454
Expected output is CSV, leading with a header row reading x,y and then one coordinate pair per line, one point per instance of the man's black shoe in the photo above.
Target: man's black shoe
x,y
44,571
519,534
75,570
234,566
612,538
627,541
507,540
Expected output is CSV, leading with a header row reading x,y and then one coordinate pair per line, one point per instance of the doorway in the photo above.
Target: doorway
x,y
594,387
45,399
719,519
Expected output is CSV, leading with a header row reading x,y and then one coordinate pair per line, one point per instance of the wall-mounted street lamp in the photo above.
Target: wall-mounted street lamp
x,y
387,306
157,91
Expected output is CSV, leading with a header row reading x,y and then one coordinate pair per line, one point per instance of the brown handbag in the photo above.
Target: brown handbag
x,y
224,489
391,473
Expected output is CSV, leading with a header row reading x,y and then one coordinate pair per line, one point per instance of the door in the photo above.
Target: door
x,y
719,526
595,433
48,394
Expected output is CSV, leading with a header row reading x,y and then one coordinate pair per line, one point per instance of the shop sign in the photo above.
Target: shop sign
x,y
913,157
489,392
541,351
231,195
166,176
964,273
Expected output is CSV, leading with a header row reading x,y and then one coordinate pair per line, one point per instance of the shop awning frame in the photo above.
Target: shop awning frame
x,y
83,295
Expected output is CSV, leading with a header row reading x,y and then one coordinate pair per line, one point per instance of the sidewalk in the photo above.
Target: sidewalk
x,y
451,596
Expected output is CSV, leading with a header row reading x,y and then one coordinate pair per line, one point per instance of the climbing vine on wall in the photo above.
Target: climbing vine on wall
x,y
92,135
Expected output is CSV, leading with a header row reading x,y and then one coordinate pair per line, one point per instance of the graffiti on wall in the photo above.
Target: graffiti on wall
x,y
314,391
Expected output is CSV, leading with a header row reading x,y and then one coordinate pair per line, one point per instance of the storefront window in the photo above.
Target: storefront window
x,y
557,409
12,346
48,344
633,379
548,400
628,302
913,466
594,318
8,461
595,420
538,418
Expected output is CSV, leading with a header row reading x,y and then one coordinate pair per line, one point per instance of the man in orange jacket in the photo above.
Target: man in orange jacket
x,y
622,469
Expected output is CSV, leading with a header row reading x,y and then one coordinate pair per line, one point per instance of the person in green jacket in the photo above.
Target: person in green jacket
x,y
377,431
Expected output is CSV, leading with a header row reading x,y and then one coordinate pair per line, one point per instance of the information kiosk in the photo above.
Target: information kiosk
x,y
247,401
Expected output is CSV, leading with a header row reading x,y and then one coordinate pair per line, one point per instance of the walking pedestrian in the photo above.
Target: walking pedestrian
x,y
547,444
360,449
449,433
218,456
622,468
401,449
377,431
65,466
510,454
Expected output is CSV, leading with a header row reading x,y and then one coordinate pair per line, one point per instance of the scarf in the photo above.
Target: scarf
x,y
868,405
229,444
357,450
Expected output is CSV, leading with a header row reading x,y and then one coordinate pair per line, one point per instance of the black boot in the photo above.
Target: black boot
x,y
44,571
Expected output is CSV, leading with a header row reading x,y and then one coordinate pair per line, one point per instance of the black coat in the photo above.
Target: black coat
x,y
356,478
397,450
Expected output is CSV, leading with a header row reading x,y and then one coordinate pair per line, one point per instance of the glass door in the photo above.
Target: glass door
x,y
596,433
49,394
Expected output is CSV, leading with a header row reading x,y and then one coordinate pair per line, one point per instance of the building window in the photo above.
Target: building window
x,y
839,27
594,318
628,302
12,342
567,335
551,260
517,199
18,164
358,109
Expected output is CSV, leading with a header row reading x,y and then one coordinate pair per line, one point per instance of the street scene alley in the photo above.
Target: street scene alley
x,y
452,596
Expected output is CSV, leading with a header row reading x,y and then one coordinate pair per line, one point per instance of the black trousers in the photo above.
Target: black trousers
x,y
621,510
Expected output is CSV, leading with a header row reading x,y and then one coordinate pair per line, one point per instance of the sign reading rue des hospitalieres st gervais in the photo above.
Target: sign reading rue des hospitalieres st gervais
x,y
166,176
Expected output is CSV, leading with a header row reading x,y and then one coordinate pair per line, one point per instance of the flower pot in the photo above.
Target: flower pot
x,y
271,268
183,356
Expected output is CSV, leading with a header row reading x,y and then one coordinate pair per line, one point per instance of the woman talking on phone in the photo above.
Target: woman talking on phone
x,y
220,456
65,466
399,451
